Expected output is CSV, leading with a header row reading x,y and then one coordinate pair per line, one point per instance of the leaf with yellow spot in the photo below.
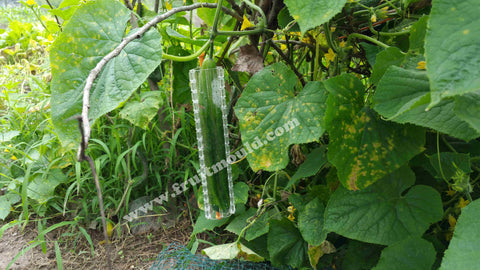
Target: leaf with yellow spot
x,y
277,116
384,213
312,13
363,147
95,29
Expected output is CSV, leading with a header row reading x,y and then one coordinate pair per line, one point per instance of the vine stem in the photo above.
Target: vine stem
x,y
362,36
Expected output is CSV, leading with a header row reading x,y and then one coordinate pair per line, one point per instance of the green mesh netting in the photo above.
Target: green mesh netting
x,y
177,256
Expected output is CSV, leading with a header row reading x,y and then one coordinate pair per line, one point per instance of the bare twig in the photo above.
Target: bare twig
x,y
289,62
56,18
82,157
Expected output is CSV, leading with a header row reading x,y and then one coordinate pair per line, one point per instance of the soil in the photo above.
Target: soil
x,y
127,252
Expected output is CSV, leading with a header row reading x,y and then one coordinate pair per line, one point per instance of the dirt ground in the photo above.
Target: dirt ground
x,y
129,252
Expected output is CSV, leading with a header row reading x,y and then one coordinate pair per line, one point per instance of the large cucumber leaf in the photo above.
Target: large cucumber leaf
x,y
312,13
286,245
464,249
363,147
95,29
452,44
403,95
273,116
380,214
412,253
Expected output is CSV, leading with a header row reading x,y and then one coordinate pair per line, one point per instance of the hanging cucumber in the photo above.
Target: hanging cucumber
x,y
208,95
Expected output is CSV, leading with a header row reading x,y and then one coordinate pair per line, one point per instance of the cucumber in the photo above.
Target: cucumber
x,y
210,118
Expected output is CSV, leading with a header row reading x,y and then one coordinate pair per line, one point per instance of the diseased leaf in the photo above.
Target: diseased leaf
x,y
363,147
403,96
380,214
412,253
285,244
95,29
452,44
273,116
464,249
312,13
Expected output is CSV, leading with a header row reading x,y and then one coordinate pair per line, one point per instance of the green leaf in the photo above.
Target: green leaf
x,y
409,254
140,113
451,162
232,251
464,249
5,207
42,189
417,35
312,13
403,96
240,190
467,108
95,29
286,245
363,147
9,135
452,44
310,223
259,228
360,255
203,224
390,57
380,214
273,116
312,164
181,87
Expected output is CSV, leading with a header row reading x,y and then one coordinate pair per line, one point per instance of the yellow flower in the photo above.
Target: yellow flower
x,y
421,65
450,192
373,18
342,44
246,23
291,210
462,203
452,221
168,6
329,56
30,2
13,158
50,37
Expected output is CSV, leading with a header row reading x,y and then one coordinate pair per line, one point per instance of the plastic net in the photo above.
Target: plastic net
x,y
177,256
